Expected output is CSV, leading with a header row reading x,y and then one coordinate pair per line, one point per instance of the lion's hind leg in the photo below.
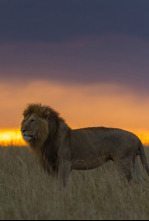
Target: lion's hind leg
x,y
125,168
137,172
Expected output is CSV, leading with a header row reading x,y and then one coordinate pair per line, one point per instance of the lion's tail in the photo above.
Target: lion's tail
x,y
143,157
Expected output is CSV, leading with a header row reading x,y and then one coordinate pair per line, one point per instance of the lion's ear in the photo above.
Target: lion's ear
x,y
46,113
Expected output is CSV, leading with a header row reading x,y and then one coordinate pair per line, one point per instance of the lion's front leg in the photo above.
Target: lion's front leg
x,y
64,154
64,170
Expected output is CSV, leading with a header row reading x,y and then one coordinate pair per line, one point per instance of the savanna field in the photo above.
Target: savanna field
x,y
26,192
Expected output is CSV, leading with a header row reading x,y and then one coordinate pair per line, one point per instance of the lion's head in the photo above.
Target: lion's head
x,y
35,126
43,130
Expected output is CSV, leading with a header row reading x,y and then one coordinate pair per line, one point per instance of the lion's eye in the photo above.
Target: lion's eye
x,y
32,121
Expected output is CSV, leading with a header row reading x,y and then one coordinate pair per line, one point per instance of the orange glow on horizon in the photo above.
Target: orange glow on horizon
x,y
14,138
11,137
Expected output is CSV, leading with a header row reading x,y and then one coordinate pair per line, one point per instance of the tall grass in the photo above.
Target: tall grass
x,y
26,192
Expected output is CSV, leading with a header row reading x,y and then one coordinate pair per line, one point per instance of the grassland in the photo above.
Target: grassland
x,y
26,192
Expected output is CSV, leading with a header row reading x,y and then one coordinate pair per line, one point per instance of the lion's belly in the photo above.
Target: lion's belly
x,y
88,164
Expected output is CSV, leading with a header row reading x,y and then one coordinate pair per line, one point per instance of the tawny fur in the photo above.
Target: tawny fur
x,y
60,149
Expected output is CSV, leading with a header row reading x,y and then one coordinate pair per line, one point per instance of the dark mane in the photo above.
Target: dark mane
x,y
50,147
41,111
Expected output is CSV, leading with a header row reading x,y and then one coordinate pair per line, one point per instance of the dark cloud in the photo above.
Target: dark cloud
x,y
113,59
57,20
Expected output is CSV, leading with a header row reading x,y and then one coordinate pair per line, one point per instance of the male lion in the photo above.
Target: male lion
x,y
61,149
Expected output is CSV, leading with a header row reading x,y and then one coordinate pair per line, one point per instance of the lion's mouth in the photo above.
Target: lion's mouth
x,y
27,137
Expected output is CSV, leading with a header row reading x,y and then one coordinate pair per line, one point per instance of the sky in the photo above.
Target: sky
x,y
88,59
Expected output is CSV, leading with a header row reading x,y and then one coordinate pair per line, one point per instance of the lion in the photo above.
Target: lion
x,y
60,149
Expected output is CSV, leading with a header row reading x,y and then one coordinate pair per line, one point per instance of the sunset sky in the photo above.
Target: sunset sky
x,y
88,59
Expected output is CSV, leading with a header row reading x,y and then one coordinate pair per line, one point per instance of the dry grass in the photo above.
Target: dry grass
x,y
26,192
